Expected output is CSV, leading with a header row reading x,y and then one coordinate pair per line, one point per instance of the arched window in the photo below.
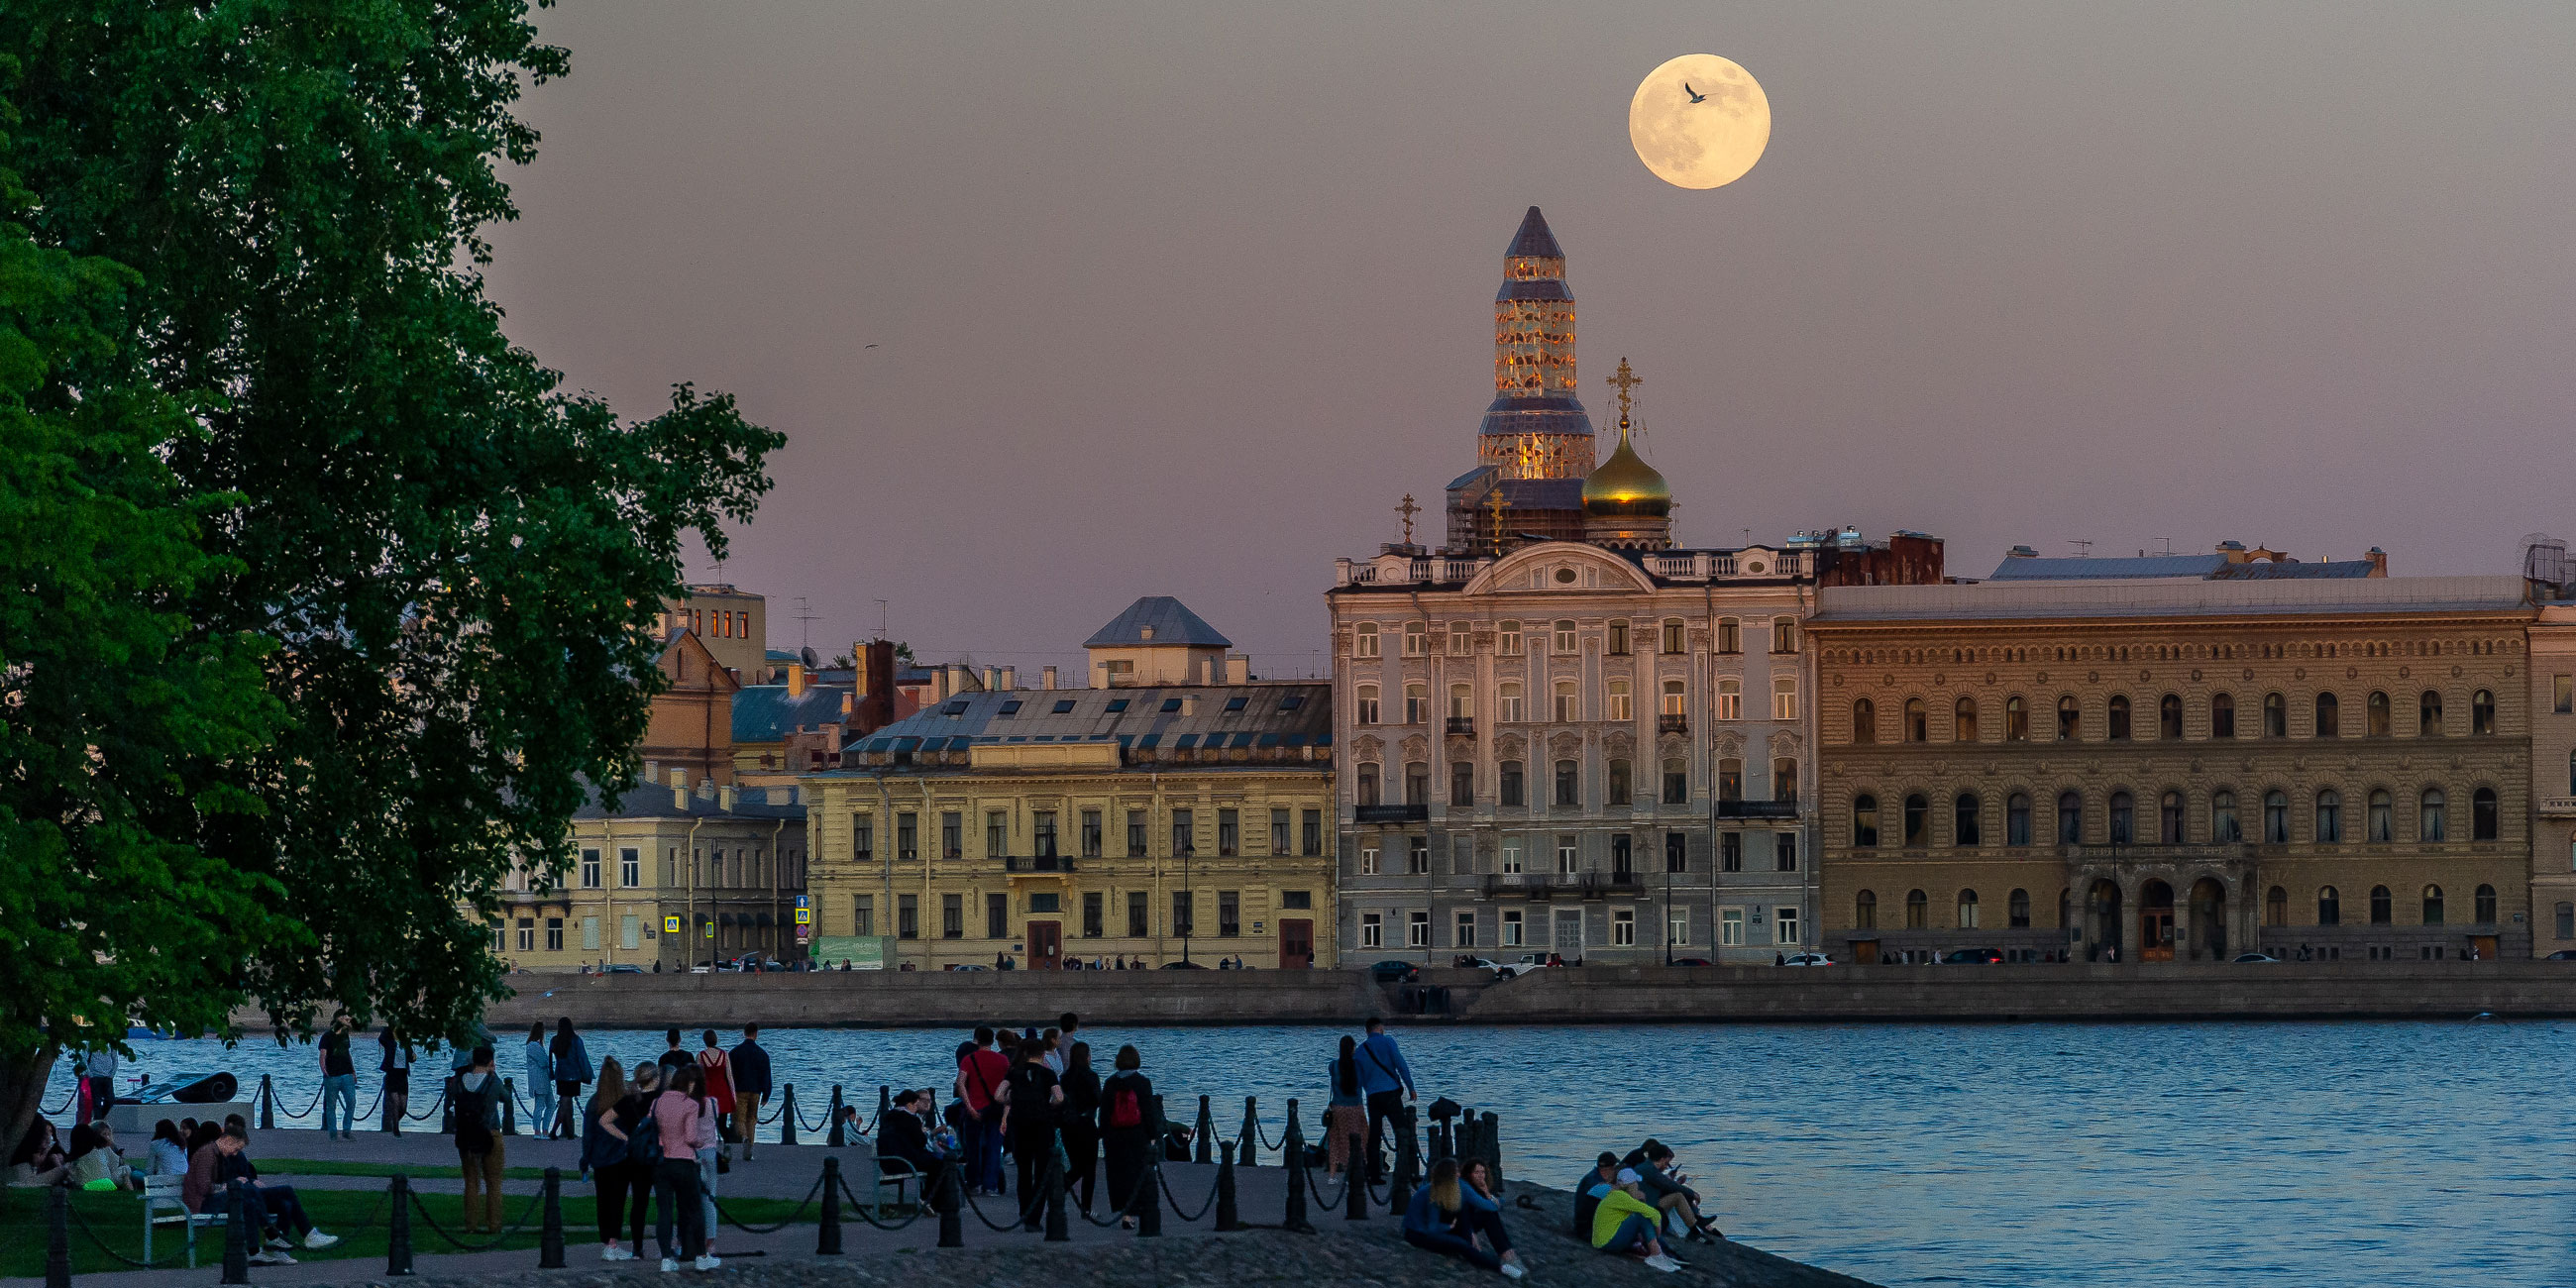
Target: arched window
x,y
1565,702
2482,814
1865,910
1370,781
1964,818
1620,787
2378,715
2017,720
2222,716
1864,821
2222,819
1564,645
1417,639
2169,819
1675,701
2566,915
1676,781
2329,907
2070,819
2429,817
2329,817
2432,905
1462,702
2124,819
1730,699
1864,720
1569,784
1916,726
2276,906
2276,817
1364,640
2380,914
2119,717
1967,910
2169,716
2329,716
2383,816
1462,783
1918,821
1963,719
1515,707
2017,819
2070,718
2017,909
1511,783
2428,714
1368,712
2486,905
1918,910
2482,712
2276,716
1784,697
1622,707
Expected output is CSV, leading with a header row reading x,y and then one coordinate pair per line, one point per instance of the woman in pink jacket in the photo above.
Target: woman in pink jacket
x,y
675,1176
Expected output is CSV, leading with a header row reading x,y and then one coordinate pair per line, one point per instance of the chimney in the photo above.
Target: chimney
x,y
706,789
1189,704
848,702
724,798
1046,676
1010,677
862,675
992,679
1238,668
875,709
2378,561
679,798
796,679
957,676
1207,670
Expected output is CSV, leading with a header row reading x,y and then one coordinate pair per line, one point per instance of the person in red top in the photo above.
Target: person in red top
x,y
983,1078
717,1069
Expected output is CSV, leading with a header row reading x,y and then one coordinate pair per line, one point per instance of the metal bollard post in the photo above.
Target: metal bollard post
x,y
1491,1139
237,1234
1408,1164
833,1138
1149,1220
1294,1145
952,1225
58,1238
827,1238
1227,1219
398,1228
1205,1131
550,1236
1250,1136
510,1113
447,1107
1355,1179
267,1104
787,1114
1055,1226
885,1101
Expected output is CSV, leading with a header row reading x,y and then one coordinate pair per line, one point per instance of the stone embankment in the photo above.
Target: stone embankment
x,y
1584,995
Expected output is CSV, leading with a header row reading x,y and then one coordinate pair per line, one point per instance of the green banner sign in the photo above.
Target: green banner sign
x,y
862,952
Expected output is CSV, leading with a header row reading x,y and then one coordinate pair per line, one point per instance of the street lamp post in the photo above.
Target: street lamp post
x,y
1189,893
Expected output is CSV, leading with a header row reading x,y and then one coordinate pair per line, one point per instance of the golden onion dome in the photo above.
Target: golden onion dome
x,y
1625,485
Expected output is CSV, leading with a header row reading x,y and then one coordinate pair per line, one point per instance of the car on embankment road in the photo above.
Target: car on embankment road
x,y
1810,959
1974,957
1505,970
1391,971
2255,959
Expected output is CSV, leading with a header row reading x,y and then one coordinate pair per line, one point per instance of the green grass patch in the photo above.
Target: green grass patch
x,y
117,1220
286,1169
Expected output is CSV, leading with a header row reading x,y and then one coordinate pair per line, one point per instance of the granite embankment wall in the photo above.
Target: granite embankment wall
x,y
1598,994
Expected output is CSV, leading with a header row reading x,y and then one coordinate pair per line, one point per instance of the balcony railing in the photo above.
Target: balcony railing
x,y
1672,724
1543,886
1757,809
1390,813
1037,863
2558,806
1463,726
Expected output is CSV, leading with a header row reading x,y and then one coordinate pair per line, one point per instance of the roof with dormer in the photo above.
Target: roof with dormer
x,y
1169,621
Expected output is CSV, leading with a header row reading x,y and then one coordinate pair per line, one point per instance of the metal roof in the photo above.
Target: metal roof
x,y
1171,621
1534,238
1298,714
649,801
2214,567
765,712
2168,598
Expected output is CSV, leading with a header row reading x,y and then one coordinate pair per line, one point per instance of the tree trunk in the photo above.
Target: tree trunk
x,y
22,1090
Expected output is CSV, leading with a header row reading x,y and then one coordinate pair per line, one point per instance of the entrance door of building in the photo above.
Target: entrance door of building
x,y
1864,952
1296,944
2155,923
1569,932
2484,946
1046,945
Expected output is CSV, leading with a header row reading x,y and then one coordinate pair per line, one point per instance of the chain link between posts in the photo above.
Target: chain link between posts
x,y
535,1201
861,1209
736,1222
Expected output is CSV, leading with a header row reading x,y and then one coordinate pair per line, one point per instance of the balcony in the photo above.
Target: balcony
x,y
1462,726
1672,724
1047,863
2558,807
1544,886
1757,809
1390,813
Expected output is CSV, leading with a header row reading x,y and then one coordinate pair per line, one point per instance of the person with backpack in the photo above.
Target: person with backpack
x,y
1036,1097
569,1063
673,1145
982,1075
479,1146
607,1140
1079,1122
1346,1111
1389,1083
1126,1135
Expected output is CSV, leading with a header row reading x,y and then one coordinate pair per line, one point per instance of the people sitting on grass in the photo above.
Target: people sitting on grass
x,y
1448,1215
39,1159
1661,1185
95,1162
1625,1222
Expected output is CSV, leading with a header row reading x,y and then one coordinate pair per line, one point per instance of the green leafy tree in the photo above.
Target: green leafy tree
x,y
443,567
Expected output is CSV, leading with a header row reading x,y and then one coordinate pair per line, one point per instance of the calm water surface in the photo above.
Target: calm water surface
x,y
2037,1154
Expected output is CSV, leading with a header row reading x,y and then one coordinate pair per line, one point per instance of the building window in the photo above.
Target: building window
x,y
1619,638
1674,639
2329,716
2169,716
1564,644
1918,821
1372,930
1676,852
1462,784
2432,905
1784,634
1864,716
2562,694
2070,718
1229,832
1462,702
1039,901
2169,818
1567,791
2017,910
2329,907
2276,716
2379,906
2566,920
1784,780
1417,855
1677,928
1784,851
1510,861
1463,933
1730,850
2124,825
1508,783
1508,639
1964,812
2017,819
1461,640
1676,702
590,869
1367,782
1918,910
2486,905
2483,818
1676,781
1963,719
1865,910
952,916
2329,817
2428,714
1311,832
1367,701
1139,918
907,916
2119,717
1229,914
1137,846
1184,833
1623,927
2383,816
907,837
2276,818
1730,779
952,835
1730,635
2222,716
1417,930
2482,712
1864,821
1184,914
1784,697
1569,859
1513,929
1565,709
1513,711
1619,785
1297,900
1091,829
2276,907
2016,719
2376,710
2429,819
1622,708
2223,829
2070,819
1730,927
630,868
1042,834
1968,910
1417,703
1364,640
1462,854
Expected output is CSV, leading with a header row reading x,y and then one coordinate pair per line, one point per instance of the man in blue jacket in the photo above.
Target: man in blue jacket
x,y
1388,1083
750,1084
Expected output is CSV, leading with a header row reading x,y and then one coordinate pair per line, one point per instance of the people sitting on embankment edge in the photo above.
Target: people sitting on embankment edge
x,y
1624,1223
1653,1164
1448,1214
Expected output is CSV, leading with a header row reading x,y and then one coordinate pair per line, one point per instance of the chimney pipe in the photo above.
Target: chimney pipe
x,y
1010,677
1046,676
796,679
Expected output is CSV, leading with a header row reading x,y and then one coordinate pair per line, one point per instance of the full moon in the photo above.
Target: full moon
x,y
1699,121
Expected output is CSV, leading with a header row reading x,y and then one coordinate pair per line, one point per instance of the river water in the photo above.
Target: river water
x,y
2003,1154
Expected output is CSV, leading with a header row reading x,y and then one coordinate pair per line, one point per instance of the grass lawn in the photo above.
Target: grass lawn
x,y
117,1219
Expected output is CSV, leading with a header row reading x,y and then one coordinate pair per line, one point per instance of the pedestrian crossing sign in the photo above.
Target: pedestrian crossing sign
x,y
804,916
670,925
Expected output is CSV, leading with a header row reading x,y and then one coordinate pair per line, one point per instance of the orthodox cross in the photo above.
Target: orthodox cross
x,y
1408,510
1626,380
1494,501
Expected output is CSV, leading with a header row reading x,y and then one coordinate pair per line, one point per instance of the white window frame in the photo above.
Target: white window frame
x,y
1462,640
1507,639
1417,703
1417,929
1621,701
1462,702
1565,641
1417,639
630,867
1372,930
1785,923
1677,929
1368,860
592,872
1364,641
1514,928
1367,704
1568,704
1730,927
1569,855
1730,698
1623,927
1676,698
1784,698
1515,708
1511,861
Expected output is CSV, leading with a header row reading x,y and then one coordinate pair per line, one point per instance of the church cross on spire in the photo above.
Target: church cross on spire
x,y
1408,510
1626,380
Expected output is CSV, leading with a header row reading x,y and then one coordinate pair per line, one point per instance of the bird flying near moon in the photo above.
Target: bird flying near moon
x,y
1699,121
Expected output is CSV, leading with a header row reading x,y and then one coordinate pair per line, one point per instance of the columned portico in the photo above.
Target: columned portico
x,y
2196,902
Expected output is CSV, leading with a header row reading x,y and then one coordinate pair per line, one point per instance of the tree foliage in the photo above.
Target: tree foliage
x,y
426,572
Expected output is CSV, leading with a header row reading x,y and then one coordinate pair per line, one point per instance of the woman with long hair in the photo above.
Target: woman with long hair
x,y
717,1068
1444,1218
1037,1096
540,1081
1081,1125
1346,1110
1127,1131
169,1149
569,1061
677,1202
606,1138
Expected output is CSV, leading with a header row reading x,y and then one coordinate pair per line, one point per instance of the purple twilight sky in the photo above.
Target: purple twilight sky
x,y
1182,298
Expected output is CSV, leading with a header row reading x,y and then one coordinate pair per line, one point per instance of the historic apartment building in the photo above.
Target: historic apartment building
x,y
1152,820
2552,698
1559,733
2176,768
674,876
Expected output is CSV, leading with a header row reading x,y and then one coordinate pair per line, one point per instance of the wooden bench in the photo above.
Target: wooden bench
x,y
162,1205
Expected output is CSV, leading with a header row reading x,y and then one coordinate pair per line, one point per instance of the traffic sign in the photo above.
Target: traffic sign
x,y
800,902
804,916
670,925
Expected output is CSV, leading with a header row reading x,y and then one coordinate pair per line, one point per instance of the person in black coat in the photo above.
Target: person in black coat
x,y
1036,1099
1126,1121
1081,1124
903,1140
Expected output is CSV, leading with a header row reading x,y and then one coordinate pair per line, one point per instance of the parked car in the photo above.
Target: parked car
x,y
621,968
1974,957
2245,959
2562,955
1185,965
1503,970
971,966
1395,972
1813,959
1692,961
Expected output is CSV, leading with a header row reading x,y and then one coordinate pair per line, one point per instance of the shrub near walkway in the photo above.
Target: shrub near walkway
x,y
117,1220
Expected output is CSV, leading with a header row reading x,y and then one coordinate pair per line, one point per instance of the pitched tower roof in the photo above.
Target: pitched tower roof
x,y
1157,619
1534,240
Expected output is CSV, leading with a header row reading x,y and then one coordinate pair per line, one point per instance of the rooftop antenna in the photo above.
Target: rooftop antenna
x,y
806,615
2083,549
881,619
2164,545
